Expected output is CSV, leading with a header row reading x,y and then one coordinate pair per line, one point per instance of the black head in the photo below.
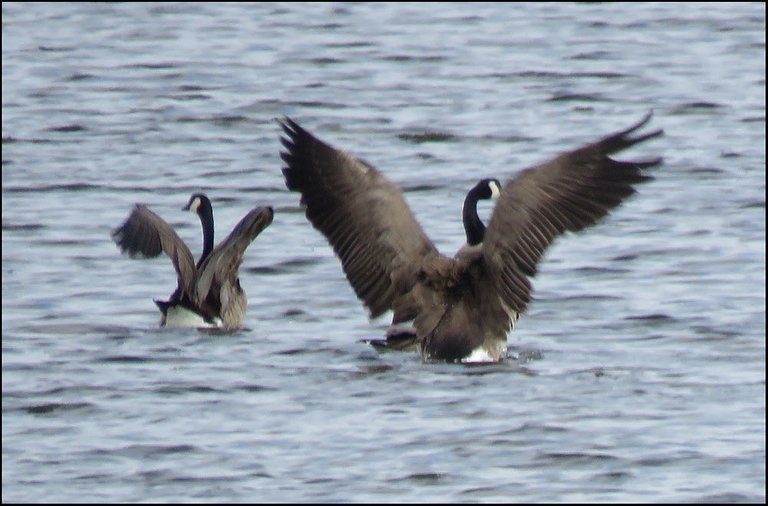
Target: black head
x,y
487,189
198,203
473,226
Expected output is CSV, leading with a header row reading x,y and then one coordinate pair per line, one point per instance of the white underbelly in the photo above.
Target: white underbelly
x,y
181,317
480,355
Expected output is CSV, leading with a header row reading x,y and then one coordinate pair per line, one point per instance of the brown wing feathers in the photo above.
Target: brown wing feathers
x,y
363,215
569,193
225,260
145,234
136,236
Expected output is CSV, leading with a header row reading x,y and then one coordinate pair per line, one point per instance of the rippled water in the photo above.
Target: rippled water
x,y
638,373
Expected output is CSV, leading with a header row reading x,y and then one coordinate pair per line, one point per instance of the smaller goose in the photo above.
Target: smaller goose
x,y
209,292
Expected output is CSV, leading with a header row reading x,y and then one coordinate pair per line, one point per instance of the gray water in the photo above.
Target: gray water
x,y
638,373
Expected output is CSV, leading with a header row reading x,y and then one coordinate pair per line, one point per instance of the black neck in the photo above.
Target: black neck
x,y
473,226
205,212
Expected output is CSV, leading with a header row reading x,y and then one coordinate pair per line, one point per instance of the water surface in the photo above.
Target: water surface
x,y
638,374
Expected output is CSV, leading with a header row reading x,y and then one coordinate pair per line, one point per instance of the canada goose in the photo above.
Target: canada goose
x,y
209,292
461,307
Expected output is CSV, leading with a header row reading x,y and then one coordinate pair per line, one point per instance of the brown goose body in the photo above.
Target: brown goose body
x,y
462,307
209,293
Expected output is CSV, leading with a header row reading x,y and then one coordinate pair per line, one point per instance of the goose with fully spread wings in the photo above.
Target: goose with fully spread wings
x,y
208,294
461,308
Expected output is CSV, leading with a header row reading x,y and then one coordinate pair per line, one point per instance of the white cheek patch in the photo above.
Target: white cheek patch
x,y
195,205
495,190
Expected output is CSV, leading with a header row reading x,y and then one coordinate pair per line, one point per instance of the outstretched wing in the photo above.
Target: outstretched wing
x,y
362,214
224,261
145,235
571,192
